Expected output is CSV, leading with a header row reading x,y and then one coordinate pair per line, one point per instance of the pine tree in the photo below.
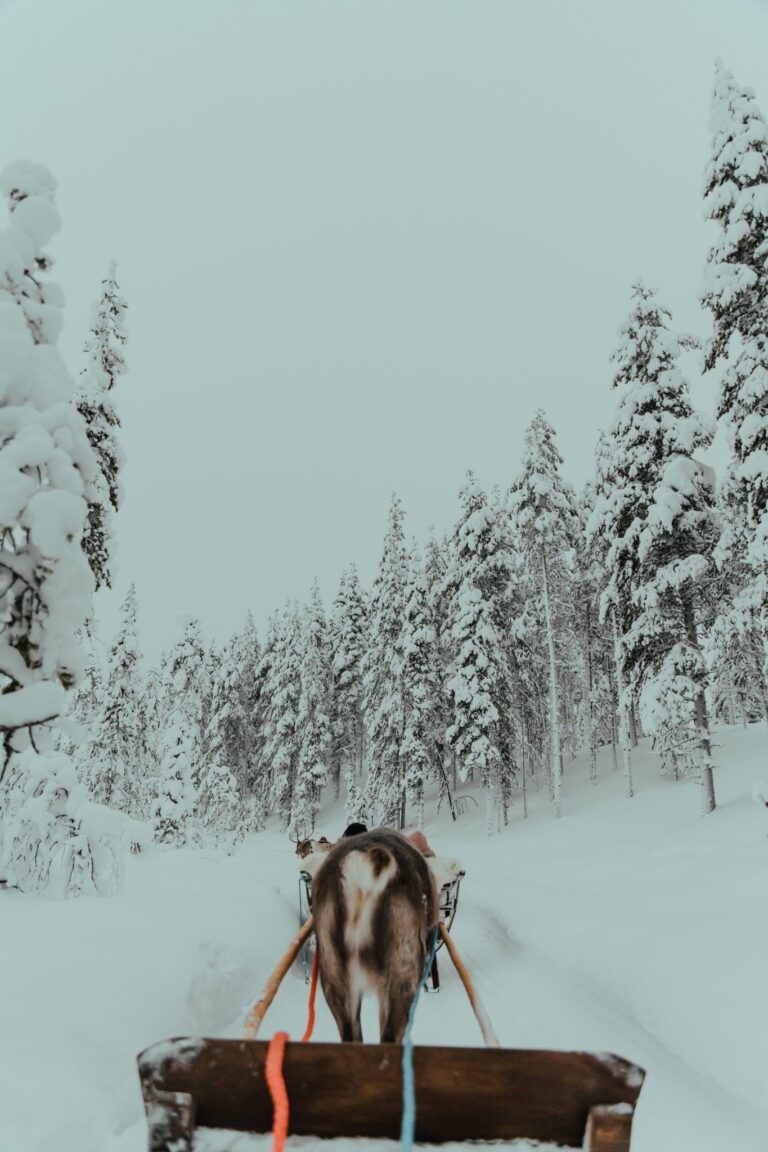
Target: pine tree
x,y
313,718
46,468
231,712
595,637
181,759
105,354
479,688
354,806
542,508
347,630
436,564
259,777
153,687
383,703
654,512
218,795
116,755
736,293
175,799
420,687
281,733
733,653
664,649
247,655
47,475
86,703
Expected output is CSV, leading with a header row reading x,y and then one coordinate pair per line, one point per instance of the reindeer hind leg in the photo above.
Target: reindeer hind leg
x,y
393,1011
345,1011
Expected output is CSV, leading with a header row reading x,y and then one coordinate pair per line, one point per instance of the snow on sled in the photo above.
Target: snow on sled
x,y
200,1094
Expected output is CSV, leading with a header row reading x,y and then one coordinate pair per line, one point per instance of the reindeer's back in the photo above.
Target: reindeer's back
x,y
370,887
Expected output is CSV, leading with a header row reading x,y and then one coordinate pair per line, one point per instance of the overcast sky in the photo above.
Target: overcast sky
x,y
361,243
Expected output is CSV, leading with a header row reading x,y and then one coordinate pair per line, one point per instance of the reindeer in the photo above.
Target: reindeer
x,y
375,906
306,847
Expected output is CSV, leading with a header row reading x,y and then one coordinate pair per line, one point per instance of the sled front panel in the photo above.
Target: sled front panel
x,y
356,1090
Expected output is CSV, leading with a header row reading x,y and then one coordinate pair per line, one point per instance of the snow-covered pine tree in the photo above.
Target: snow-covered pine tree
x,y
46,470
355,811
280,732
259,778
232,709
212,661
733,652
420,687
736,293
542,507
383,704
479,688
347,631
86,703
614,601
153,691
181,760
47,475
653,510
596,639
734,647
436,564
105,362
663,646
175,798
313,719
247,654
116,753
219,807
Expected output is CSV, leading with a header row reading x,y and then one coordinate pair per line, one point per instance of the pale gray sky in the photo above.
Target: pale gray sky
x,y
361,243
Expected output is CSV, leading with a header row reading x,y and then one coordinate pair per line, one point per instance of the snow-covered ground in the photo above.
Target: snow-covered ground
x,y
637,927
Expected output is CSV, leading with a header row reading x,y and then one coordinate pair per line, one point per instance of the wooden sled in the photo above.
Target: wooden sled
x,y
574,1099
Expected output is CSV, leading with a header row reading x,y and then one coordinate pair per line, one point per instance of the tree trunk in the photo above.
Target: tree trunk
x,y
632,726
704,749
489,809
554,712
444,777
622,709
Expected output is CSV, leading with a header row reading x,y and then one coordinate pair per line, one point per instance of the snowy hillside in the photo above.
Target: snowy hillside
x,y
631,926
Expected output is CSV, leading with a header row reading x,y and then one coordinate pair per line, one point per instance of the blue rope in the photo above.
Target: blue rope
x,y
408,1125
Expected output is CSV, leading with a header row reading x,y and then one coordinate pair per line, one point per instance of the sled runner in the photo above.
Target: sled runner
x,y
449,899
574,1099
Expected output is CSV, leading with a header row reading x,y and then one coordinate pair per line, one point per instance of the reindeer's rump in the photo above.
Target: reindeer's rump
x,y
371,891
375,903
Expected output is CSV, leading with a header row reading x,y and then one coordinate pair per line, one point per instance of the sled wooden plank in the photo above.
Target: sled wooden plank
x,y
356,1090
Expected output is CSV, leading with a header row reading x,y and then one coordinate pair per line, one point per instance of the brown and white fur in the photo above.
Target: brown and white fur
x,y
375,905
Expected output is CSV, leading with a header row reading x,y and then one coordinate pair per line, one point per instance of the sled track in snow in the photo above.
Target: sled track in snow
x,y
534,1001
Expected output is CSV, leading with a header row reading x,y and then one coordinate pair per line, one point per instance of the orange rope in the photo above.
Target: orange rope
x,y
277,1089
273,1071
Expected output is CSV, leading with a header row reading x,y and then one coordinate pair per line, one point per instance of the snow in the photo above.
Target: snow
x,y
33,704
634,927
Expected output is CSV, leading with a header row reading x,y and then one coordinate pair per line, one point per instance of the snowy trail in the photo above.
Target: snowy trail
x,y
633,929
536,1003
